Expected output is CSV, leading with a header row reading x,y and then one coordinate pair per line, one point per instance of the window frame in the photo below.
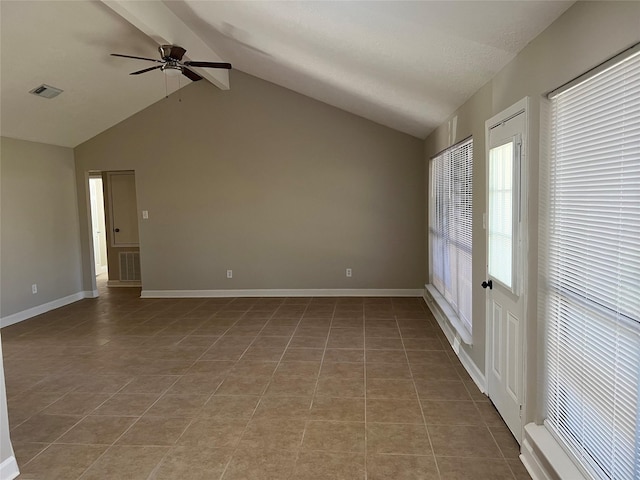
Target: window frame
x,y
452,310
596,312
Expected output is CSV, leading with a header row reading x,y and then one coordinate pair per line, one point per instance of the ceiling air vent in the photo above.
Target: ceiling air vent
x,y
46,91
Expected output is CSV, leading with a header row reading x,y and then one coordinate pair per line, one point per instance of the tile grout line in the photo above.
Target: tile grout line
x,y
153,472
178,377
83,417
264,390
364,356
424,420
315,387
499,448
75,424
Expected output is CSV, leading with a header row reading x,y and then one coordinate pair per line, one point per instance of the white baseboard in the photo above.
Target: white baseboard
x,y
9,469
474,372
45,307
454,340
310,292
544,458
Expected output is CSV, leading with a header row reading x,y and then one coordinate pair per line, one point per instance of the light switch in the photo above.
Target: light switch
x,y
145,214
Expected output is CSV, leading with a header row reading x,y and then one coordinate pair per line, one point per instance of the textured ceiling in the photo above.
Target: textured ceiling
x,y
407,65
67,45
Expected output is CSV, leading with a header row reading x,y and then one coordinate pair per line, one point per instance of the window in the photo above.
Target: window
x,y
504,175
590,270
451,176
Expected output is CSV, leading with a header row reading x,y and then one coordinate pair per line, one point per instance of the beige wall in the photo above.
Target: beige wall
x,y
284,190
586,35
40,231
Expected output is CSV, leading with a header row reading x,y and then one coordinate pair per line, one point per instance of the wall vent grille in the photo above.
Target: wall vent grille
x,y
130,267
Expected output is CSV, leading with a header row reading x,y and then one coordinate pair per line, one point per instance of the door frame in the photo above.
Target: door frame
x,y
520,107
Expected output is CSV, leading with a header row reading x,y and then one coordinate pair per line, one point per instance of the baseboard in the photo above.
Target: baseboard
x,y
454,340
9,469
474,372
44,308
310,292
544,458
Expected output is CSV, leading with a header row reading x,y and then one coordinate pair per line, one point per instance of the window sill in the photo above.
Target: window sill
x,y
543,456
449,314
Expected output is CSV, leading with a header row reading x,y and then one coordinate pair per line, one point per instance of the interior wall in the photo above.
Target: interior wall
x,y
284,190
40,230
583,37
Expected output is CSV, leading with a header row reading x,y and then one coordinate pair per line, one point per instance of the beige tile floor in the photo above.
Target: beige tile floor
x,y
269,388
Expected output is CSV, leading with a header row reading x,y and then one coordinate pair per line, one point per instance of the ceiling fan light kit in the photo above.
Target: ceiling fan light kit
x,y
172,70
172,64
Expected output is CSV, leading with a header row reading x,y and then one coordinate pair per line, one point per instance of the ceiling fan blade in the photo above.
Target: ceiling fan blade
x,y
191,75
146,70
208,64
137,58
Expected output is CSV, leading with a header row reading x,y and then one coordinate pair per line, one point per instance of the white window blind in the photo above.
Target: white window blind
x,y
590,271
451,178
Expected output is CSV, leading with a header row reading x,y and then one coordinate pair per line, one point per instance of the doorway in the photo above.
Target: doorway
x,y
114,222
98,225
505,284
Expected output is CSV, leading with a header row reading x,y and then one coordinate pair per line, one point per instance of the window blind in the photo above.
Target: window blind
x,y
590,271
451,178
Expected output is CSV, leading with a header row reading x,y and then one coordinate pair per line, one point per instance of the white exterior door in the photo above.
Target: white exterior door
x,y
504,285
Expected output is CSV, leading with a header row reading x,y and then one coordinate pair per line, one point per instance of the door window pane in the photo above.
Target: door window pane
x,y
501,193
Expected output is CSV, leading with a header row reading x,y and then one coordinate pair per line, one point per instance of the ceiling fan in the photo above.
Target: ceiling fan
x,y
172,63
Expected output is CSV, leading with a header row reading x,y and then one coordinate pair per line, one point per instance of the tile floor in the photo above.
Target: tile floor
x,y
269,388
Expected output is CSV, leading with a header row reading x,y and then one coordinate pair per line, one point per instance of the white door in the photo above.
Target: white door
x,y
98,224
504,286
123,209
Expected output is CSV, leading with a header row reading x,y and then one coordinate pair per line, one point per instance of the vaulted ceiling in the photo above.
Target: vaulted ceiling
x,y
406,65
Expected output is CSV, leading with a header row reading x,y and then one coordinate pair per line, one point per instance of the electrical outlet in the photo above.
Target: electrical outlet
x,y
145,214
229,273
34,288
349,272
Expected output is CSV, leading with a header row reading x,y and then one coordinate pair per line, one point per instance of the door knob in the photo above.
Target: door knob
x,y
116,230
488,283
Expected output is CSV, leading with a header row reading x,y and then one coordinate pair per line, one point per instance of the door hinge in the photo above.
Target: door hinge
x,y
520,413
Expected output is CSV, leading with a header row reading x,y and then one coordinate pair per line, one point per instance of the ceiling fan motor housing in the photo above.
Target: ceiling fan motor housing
x,y
171,52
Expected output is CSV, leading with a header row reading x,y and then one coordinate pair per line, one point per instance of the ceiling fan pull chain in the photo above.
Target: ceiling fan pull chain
x,y
166,88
